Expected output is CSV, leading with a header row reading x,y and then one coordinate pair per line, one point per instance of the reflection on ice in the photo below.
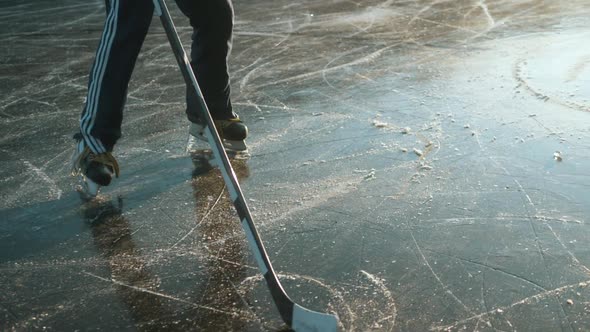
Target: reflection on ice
x,y
415,165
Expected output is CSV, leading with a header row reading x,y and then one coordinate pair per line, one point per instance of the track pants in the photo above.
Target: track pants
x,y
125,29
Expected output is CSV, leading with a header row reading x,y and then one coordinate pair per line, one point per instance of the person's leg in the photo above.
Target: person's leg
x,y
124,31
125,28
212,22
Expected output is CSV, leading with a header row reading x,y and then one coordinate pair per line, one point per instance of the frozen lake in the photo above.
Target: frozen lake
x,y
415,166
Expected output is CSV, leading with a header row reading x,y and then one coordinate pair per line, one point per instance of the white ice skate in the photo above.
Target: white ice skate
x,y
232,132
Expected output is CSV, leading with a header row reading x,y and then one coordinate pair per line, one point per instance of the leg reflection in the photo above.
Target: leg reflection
x,y
222,236
134,285
216,304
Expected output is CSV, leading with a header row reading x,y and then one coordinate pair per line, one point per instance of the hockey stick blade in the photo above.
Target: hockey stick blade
x,y
297,317
313,321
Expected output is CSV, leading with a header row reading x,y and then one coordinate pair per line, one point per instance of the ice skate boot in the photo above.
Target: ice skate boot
x,y
232,132
96,170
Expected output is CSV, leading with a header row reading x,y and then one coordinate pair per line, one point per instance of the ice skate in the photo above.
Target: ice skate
x,y
232,132
96,170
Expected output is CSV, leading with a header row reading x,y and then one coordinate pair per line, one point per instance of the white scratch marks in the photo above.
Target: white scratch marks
x,y
445,287
486,11
166,296
54,191
202,219
390,300
526,300
365,59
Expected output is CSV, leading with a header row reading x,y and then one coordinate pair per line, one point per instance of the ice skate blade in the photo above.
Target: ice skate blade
x,y
237,155
196,152
234,148
237,146
88,190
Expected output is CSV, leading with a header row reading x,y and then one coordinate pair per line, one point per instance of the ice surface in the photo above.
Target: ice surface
x,y
483,231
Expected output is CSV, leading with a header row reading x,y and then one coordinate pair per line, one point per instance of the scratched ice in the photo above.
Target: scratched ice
x,y
484,229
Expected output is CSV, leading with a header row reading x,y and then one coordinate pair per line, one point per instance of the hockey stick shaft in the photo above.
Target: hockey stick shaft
x,y
293,315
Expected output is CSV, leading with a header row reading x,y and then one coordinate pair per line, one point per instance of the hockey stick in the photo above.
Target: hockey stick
x,y
294,315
